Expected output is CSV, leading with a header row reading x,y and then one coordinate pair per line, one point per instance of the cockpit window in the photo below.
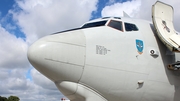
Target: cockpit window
x,y
94,24
130,27
116,24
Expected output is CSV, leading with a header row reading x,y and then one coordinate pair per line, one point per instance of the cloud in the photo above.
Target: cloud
x,y
15,83
130,7
50,16
13,51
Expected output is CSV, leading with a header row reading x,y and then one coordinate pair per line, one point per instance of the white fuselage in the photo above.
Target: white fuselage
x,y
103,63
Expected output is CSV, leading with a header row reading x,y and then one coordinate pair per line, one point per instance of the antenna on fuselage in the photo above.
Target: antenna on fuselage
x,y
125,14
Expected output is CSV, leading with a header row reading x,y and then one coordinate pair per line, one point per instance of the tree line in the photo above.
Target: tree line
x,y
10,98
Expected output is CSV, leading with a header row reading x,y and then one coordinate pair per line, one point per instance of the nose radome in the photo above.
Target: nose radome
x,y
60,57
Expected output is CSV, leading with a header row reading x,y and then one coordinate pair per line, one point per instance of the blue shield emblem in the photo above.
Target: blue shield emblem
x,y
139,46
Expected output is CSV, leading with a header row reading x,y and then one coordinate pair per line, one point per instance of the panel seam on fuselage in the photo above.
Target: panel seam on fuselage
x,y
116,69
84,61
63,62
68,43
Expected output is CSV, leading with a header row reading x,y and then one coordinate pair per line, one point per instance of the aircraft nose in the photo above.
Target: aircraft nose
x,y
60,57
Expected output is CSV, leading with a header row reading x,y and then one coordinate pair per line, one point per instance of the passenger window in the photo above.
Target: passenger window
x,y
116,24
130,27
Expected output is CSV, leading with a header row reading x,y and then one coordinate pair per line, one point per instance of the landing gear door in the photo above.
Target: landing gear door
x,y
162,16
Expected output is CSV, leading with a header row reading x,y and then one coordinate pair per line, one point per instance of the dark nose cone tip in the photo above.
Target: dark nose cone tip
x,y
59,60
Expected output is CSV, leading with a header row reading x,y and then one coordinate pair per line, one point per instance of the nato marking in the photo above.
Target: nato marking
x,y
139,46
